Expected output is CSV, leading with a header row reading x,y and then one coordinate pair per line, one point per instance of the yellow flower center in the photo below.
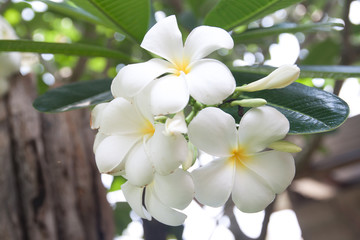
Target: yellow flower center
x,y
238,156
182,67
148,129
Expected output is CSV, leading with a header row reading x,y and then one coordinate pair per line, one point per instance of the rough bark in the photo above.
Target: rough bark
x,y
50,187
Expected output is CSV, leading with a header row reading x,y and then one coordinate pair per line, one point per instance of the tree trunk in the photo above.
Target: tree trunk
x,y
50,186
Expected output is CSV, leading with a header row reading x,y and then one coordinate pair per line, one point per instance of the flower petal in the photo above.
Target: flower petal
x,y
276,168
214,182
161,212
213,131
133,78
166,152
96,115
174,190
169,94
133,196
122,117
138,168
210,81
261,126
98,139
204,40
164,39
111,152
250,193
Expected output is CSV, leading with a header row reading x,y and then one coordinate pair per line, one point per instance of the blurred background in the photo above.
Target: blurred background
x,y
50,187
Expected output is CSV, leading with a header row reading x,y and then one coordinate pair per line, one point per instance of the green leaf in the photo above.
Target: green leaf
x,y
88,7
316,71
309,110
78,13
326,52
76,49
228,14
260,33
130,16
116,183
73,96
121,217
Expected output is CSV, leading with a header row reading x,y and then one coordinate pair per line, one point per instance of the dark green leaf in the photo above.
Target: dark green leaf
x,y
309,110
76,49
74,96
319,71
122,217
259,33
130,16
228,14
116,183
78,13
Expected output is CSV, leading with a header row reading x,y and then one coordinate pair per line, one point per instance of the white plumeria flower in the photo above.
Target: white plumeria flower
x,y
242,168
187,71
279,78
162,195
129,143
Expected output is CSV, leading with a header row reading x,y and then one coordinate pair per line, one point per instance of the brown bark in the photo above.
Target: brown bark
x,y
50,187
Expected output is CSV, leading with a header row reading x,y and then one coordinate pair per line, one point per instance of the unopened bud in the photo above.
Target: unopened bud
x,y
285,146
175,125
279,78
253,102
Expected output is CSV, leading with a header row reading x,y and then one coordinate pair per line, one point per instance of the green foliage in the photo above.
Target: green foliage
x,y
116,183
130,16
74,96
62,48
325,52
121,217
229,14
260,33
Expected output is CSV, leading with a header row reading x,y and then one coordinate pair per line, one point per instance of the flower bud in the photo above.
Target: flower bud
x,y
252,102
279,78
285,146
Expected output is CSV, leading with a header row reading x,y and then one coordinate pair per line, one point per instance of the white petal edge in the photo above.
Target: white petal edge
x,y
214,182
210,81
166,153
261,126
133,78
204,40
138,168
250,193
174,190
165,40
133,196
169,94
161,212
111,152
96,115
98,139
276,168
214,132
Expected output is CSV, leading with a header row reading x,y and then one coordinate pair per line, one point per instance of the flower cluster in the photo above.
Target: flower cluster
x,y
144,136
